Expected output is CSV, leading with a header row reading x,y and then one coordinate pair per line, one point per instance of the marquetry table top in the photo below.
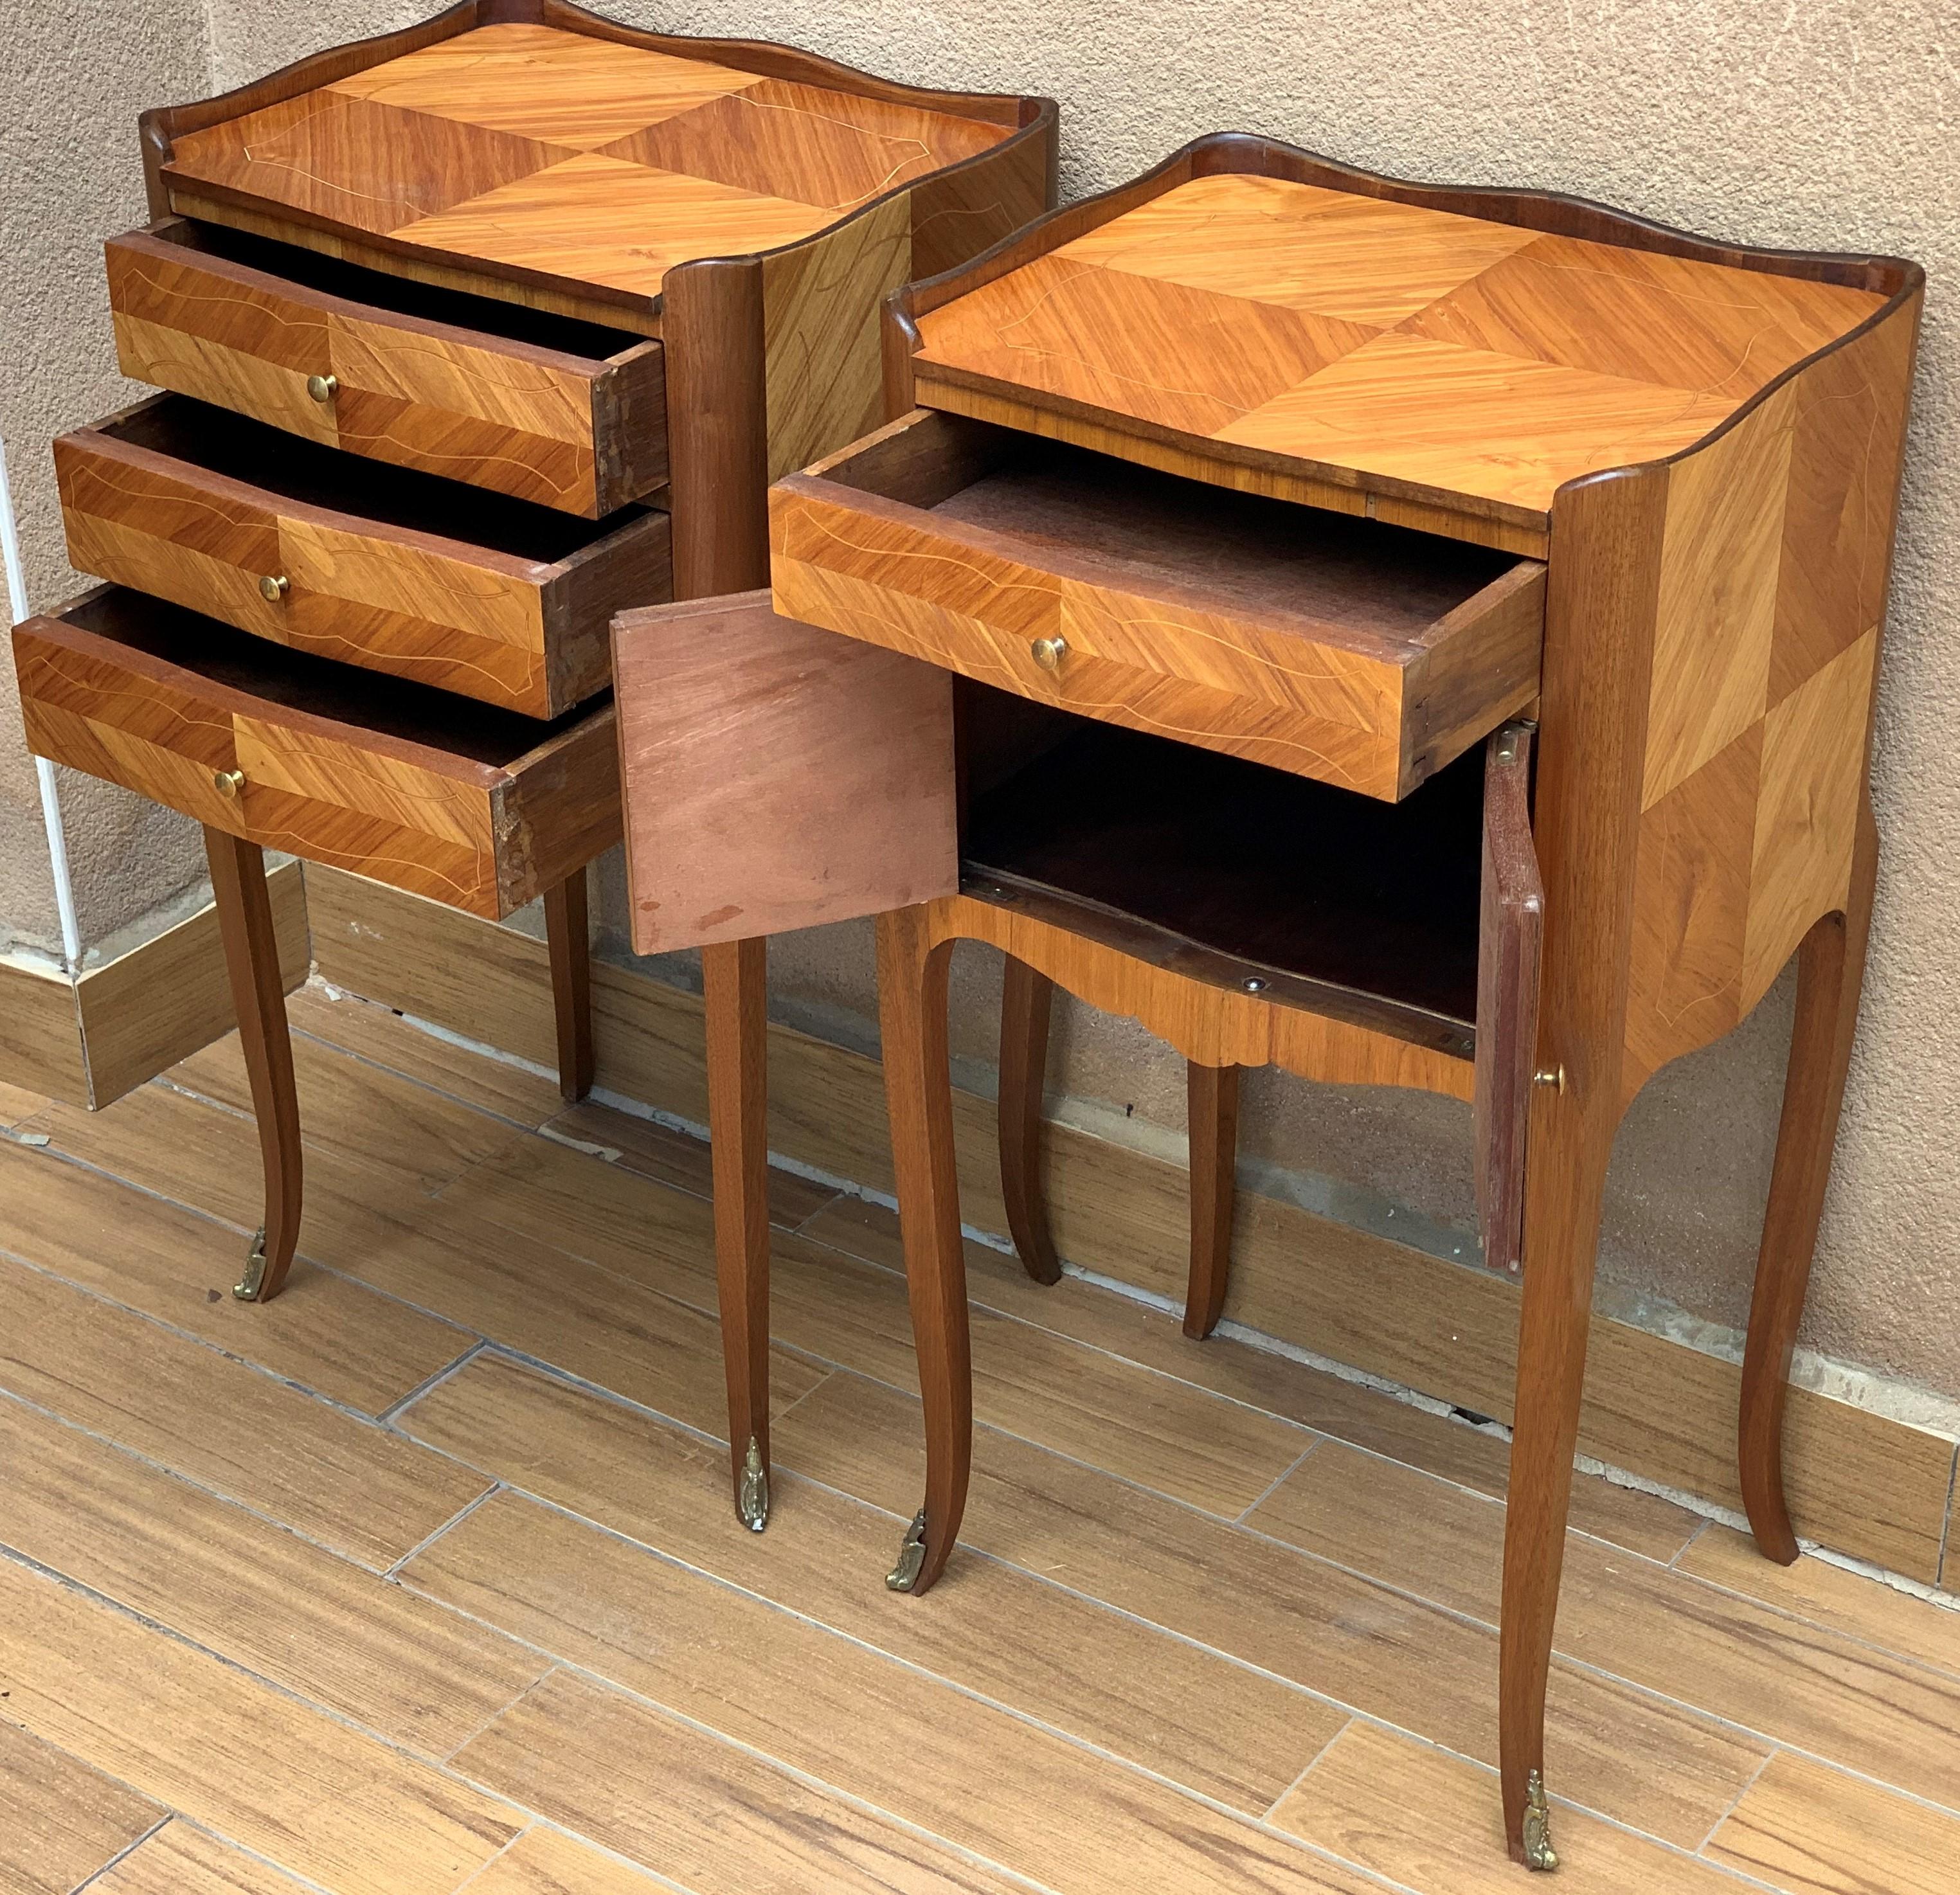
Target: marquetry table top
x,y
575,157
1388,342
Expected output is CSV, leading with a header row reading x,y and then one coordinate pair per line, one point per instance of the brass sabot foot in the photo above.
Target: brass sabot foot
x,y
912,1557
1539,1853
247,1288
751,1492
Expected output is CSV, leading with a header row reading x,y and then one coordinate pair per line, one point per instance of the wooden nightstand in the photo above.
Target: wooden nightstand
x,y
475,334
1268,516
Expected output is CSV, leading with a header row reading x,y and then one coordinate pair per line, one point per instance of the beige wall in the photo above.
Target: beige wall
x,y
72,79
1770,124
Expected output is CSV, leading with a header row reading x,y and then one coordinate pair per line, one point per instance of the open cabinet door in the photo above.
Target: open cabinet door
x,y
776,776
1510,937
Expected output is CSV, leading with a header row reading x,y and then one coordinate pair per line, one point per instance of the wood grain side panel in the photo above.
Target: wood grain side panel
x,y
821,307
777,776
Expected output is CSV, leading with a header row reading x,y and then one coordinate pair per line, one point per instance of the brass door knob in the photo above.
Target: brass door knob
x,y
1551,1076
228,783
273,586
1048,653
321,387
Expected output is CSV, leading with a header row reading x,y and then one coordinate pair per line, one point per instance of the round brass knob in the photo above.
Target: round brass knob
x,y
228,783
1551,1076
321,387
275,587
1048,653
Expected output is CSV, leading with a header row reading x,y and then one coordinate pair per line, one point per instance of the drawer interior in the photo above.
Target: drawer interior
x,y
1243,550
1233,870
565,335
224,442
297,681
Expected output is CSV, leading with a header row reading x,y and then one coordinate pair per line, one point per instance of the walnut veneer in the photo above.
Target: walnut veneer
x,y
1201,458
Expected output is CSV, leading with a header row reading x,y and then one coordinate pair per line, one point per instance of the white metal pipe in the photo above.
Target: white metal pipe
x,y
51,815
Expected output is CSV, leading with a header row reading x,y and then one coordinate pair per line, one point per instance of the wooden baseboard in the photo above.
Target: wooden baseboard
x,y
89,1041
1860,1482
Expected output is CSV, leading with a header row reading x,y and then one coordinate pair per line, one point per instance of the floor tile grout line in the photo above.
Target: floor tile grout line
x,y
197,1485
702,1307
1827,1762
129,1848
721,1582
1340,1731
427,1383
283,1378
1640,1689
1350,1713
224,1840
455,1520
483,1868
1756,1777
553,1664
806,1778
168,1328
286,1693
1279,1480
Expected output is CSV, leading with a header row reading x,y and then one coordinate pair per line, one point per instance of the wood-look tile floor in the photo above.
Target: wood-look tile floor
x,y
425,1577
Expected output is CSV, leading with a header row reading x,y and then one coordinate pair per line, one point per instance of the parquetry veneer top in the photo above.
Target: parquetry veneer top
x,y
1386,342
577,156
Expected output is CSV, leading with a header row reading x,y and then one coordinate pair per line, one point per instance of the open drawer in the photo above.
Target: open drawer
x,y
541,406
472,805
1360,654
399,571
777,776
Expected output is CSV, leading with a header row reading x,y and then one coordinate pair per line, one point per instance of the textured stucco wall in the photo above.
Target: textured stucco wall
x,y
1779,124
72,79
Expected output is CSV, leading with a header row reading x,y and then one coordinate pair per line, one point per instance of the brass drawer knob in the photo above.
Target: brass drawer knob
x,y
321,387
1048,653
1551,1076
273,586
228,783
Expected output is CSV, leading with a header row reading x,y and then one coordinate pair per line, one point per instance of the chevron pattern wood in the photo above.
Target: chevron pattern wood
x,y
477,808
1416,353
149,500
1775,561
571,156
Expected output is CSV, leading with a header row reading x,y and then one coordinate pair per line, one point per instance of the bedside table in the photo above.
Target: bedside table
x,y
1414,636
473,334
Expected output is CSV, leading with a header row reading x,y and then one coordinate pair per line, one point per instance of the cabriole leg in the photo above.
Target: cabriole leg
x,y
919,1094
567,935
1564,1184
1830,977
1211,1118
258,996
1026,999
735,984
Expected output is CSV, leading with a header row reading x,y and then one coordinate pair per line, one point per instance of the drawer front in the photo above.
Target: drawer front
x,y
486,625
584,437
1181,662
480,837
